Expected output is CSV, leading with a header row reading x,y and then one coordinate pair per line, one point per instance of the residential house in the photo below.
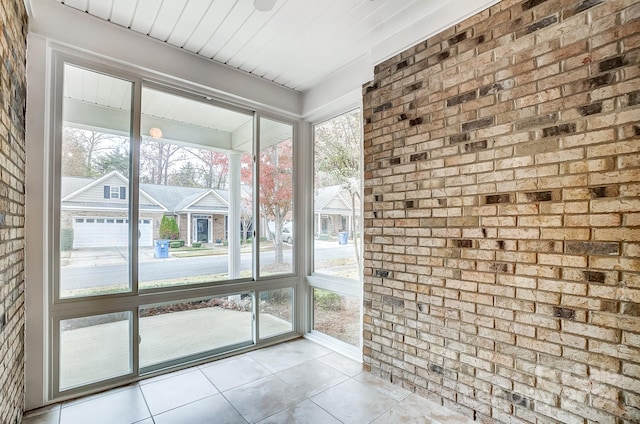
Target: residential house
x,y
96,210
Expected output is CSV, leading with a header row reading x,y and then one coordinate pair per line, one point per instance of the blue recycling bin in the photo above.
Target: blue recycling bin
x,y
162,249
342,237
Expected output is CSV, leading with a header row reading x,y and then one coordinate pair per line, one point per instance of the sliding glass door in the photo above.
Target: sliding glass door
x,y
173,228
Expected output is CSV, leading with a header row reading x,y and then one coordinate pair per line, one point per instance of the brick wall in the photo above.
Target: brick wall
x,y
502,214
13,25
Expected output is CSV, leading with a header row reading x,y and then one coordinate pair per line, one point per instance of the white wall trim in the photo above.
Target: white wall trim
x,y
339,93
36,223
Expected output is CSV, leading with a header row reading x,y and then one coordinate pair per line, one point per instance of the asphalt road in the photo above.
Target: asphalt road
x,y
78,277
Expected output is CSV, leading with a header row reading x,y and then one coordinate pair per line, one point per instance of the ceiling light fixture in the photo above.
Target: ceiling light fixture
x,y
155,133
264,5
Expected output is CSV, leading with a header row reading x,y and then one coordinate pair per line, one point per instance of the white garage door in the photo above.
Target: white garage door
x,y
108,232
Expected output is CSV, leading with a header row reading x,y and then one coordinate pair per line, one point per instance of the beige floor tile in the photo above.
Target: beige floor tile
x,y
212,409
294,382
234,372
262,398
342,363
305,412
395,391
178,390
122,406
311,377
286,355
354,402
401,415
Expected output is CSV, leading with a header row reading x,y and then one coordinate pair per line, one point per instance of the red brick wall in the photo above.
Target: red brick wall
x,y
502,214
13,36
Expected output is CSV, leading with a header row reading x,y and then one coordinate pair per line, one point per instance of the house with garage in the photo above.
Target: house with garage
x,y
96,211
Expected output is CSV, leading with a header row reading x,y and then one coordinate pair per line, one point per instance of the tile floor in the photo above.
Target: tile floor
x,y
294,382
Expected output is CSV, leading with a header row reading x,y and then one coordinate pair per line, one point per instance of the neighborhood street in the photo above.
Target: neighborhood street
x,y
88,274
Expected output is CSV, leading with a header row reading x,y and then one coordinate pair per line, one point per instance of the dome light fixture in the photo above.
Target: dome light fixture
x,y
264,5
155,133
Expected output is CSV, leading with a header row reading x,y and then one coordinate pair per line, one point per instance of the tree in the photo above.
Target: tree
x,y
337,157
214,167
246,202
157,160
83,150
276,184
186,176
74,158
115,160
169,228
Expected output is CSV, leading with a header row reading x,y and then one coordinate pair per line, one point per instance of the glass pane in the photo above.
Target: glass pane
x,y
337,316
276,198
178,330
337,246
94,185
276,312
193,159
94,348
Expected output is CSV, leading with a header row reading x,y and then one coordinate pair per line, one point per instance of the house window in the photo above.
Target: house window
x,y
115,192
194,177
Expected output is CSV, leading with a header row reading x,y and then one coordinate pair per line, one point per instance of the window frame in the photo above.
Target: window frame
x,y
340,285
59,308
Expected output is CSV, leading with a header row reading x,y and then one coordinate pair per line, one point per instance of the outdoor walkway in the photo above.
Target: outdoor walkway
x,y
294,382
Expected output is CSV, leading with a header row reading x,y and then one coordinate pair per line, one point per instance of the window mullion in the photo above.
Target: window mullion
x,y
134,183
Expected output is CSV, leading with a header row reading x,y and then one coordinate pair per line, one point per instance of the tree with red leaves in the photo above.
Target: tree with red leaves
x,y
276,190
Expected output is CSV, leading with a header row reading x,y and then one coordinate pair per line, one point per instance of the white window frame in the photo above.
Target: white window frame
x,y
116,190
56,309
339,285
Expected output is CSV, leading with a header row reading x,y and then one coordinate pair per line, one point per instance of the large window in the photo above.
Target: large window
x,y
337,246
276,196
168,208
94,172
190,174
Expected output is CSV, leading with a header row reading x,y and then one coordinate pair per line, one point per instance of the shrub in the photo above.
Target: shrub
x,y
169,228
66,239
196,244
175,244
327,300
279,296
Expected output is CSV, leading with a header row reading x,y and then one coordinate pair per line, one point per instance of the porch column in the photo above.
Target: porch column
x,y
234,215
188,228
319,224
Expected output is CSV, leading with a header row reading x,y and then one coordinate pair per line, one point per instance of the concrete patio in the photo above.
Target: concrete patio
x,y
101,351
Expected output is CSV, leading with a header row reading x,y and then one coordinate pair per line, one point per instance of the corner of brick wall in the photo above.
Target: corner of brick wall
x,y
502,214
13,36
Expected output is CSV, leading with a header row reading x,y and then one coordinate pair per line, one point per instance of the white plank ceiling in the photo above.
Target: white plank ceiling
x,y
297,44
